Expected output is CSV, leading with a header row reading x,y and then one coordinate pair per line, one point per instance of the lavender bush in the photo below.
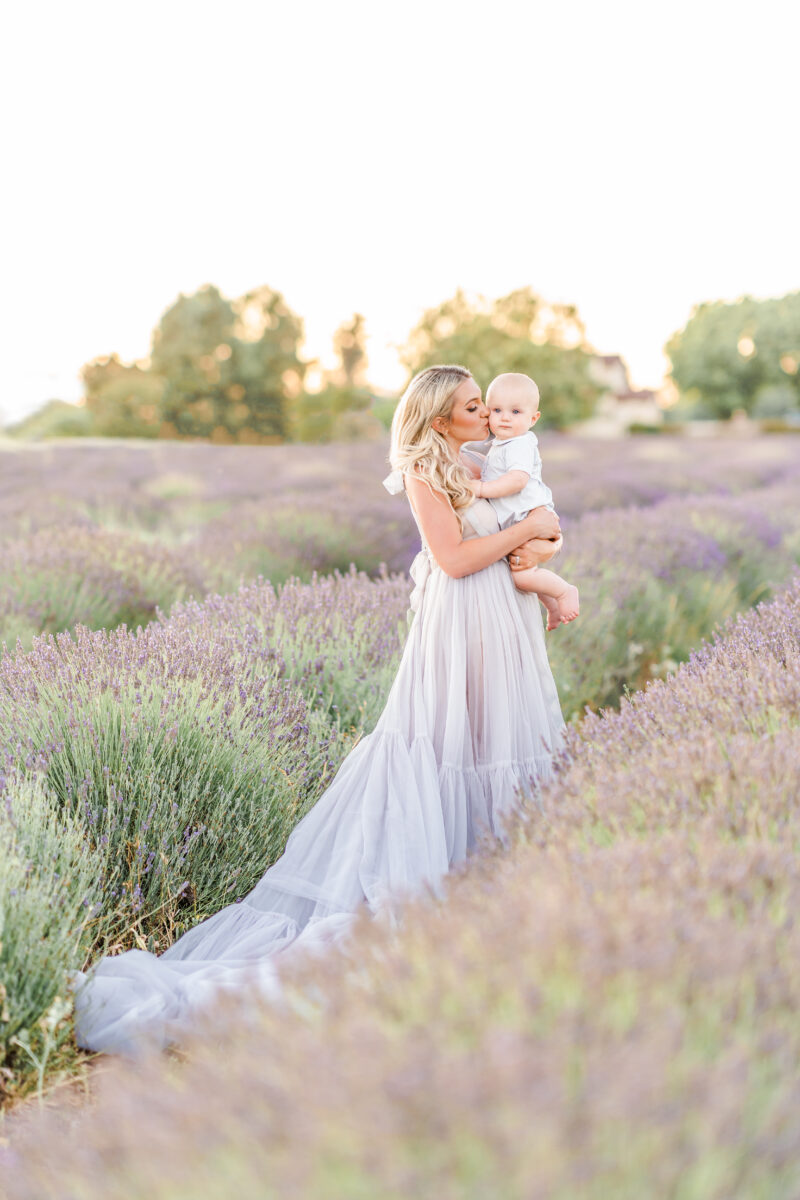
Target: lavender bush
x,y
57,578
48,891
715,745
338,639
654,582
607,1007
186,761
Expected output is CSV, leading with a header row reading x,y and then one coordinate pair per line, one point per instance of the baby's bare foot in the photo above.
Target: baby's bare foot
x,y
567,604
553,612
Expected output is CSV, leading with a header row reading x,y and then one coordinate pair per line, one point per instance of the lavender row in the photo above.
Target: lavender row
x,y
105,535
654,582
178,487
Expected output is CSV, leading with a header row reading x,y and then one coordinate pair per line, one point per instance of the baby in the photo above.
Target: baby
x,y
511,478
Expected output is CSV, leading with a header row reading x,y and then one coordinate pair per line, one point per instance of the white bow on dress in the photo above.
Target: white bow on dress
x,y
394,483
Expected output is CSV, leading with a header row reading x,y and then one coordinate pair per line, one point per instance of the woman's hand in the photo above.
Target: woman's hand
x,y
533,553
543,540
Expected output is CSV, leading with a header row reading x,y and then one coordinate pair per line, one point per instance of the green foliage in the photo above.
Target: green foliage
x,y
339,412
383,408
775,400
183,811
122,400
225,370
662,618
644,639
47,889
229,367
56,419
744,355
644,428
518,332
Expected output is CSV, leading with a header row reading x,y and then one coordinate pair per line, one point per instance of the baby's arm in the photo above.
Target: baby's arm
x,y
506,485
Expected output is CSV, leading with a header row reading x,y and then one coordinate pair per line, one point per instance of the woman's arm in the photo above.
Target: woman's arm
x,y
459,556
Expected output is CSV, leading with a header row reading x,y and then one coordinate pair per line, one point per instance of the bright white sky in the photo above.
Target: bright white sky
x,y
634,159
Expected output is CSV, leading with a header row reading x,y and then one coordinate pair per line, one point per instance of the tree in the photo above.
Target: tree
x,y
190,351
230,368
519,332
122,400
266,371
742,355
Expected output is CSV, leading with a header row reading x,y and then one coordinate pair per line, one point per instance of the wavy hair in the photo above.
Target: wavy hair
x,y
416,446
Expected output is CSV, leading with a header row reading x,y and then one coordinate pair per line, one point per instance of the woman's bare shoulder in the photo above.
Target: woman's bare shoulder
x,y
424,496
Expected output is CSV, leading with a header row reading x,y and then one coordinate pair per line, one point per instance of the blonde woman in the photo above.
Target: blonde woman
x,y
472,715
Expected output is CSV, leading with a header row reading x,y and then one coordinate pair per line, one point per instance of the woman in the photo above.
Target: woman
x,y
473,714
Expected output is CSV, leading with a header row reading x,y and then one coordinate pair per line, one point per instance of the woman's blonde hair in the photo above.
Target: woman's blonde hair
x,y
417,446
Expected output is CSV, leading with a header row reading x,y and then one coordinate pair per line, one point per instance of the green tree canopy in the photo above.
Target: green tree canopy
x,y
518,332
230,368
742,355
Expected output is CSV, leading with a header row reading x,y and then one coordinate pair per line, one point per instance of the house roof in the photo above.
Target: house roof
x,y
608,359
640,394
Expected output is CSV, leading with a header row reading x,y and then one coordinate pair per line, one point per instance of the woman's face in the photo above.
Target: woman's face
x,y
469,416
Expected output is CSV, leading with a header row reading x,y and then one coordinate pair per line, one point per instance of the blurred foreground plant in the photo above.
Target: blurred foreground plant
x,y
48,891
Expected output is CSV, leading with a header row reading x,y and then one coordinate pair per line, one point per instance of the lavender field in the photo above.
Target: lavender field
x,y
665,537
605,1007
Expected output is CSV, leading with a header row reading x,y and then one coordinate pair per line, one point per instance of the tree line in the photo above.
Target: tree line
x,y
231,370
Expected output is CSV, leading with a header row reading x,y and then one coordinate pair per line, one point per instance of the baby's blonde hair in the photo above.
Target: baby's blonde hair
x,y
516,380
417,446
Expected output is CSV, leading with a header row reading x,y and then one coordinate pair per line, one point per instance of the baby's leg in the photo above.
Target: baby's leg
x,y
559,597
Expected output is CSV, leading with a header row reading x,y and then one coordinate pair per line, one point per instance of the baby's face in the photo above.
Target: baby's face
x,y
511,415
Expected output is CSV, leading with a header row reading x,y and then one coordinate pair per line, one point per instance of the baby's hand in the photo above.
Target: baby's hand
x,y
474,486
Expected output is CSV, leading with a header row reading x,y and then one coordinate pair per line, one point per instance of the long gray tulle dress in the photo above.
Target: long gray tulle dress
x,y
473,714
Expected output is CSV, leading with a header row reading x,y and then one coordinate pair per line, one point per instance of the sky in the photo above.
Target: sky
x,y
631,159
